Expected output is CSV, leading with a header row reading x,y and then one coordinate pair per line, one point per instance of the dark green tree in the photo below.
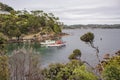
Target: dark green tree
x,y
73,70
89,39
75,55
4,68
3,42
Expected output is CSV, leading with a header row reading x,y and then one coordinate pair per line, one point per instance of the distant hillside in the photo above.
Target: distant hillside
x,y
4,7
104,26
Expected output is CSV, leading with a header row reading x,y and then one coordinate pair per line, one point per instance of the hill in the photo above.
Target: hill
x,y
19,23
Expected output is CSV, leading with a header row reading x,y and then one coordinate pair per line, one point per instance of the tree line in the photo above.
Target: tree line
x,y
93,26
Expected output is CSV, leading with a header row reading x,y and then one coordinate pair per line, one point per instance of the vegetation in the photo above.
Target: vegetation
x,y
73,70
89,39
23,22
19,23
112,68
75,55
93,26
24,65
5,7
4,67
3,41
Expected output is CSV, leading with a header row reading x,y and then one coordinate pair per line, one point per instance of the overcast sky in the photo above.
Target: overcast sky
x,y
74,11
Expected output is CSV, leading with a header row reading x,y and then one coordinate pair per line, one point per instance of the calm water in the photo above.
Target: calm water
x,y
110,43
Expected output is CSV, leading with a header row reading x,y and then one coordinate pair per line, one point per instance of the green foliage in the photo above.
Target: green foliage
x,y
77,52
53,70
23,22
112,69
15,24
5,7
72,56
4,68
88,37
81,73
111,72
73,70
3,40
74,64
57,29
75,55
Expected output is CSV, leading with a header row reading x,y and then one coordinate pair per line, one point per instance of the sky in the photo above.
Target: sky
x,y
74,11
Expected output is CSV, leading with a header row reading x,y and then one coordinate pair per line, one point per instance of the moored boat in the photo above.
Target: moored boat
x,y
58,43
47,42
53,43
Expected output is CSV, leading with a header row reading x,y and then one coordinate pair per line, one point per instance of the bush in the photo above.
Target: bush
x,y
75,55
88,37
4,68
112,69
73,70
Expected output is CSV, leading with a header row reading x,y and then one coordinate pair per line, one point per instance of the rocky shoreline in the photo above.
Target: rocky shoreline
x,y
36,38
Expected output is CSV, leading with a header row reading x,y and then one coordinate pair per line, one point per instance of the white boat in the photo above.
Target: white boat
x,y
47,42
56,45
53,43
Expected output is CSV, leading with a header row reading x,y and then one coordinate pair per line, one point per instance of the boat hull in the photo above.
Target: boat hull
x,y
56,45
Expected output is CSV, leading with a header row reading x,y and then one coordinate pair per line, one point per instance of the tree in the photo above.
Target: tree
x,y
25,65
73,70
4,67
81,73
75,55
3,41
88,38
57,28
23,22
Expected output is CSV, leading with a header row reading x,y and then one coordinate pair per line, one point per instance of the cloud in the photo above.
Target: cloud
x,y
75,11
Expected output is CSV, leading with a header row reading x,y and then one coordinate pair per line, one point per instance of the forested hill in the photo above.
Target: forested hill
x,y
18,23
4,7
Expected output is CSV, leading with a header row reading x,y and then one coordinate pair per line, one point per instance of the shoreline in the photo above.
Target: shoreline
x,y
36,38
